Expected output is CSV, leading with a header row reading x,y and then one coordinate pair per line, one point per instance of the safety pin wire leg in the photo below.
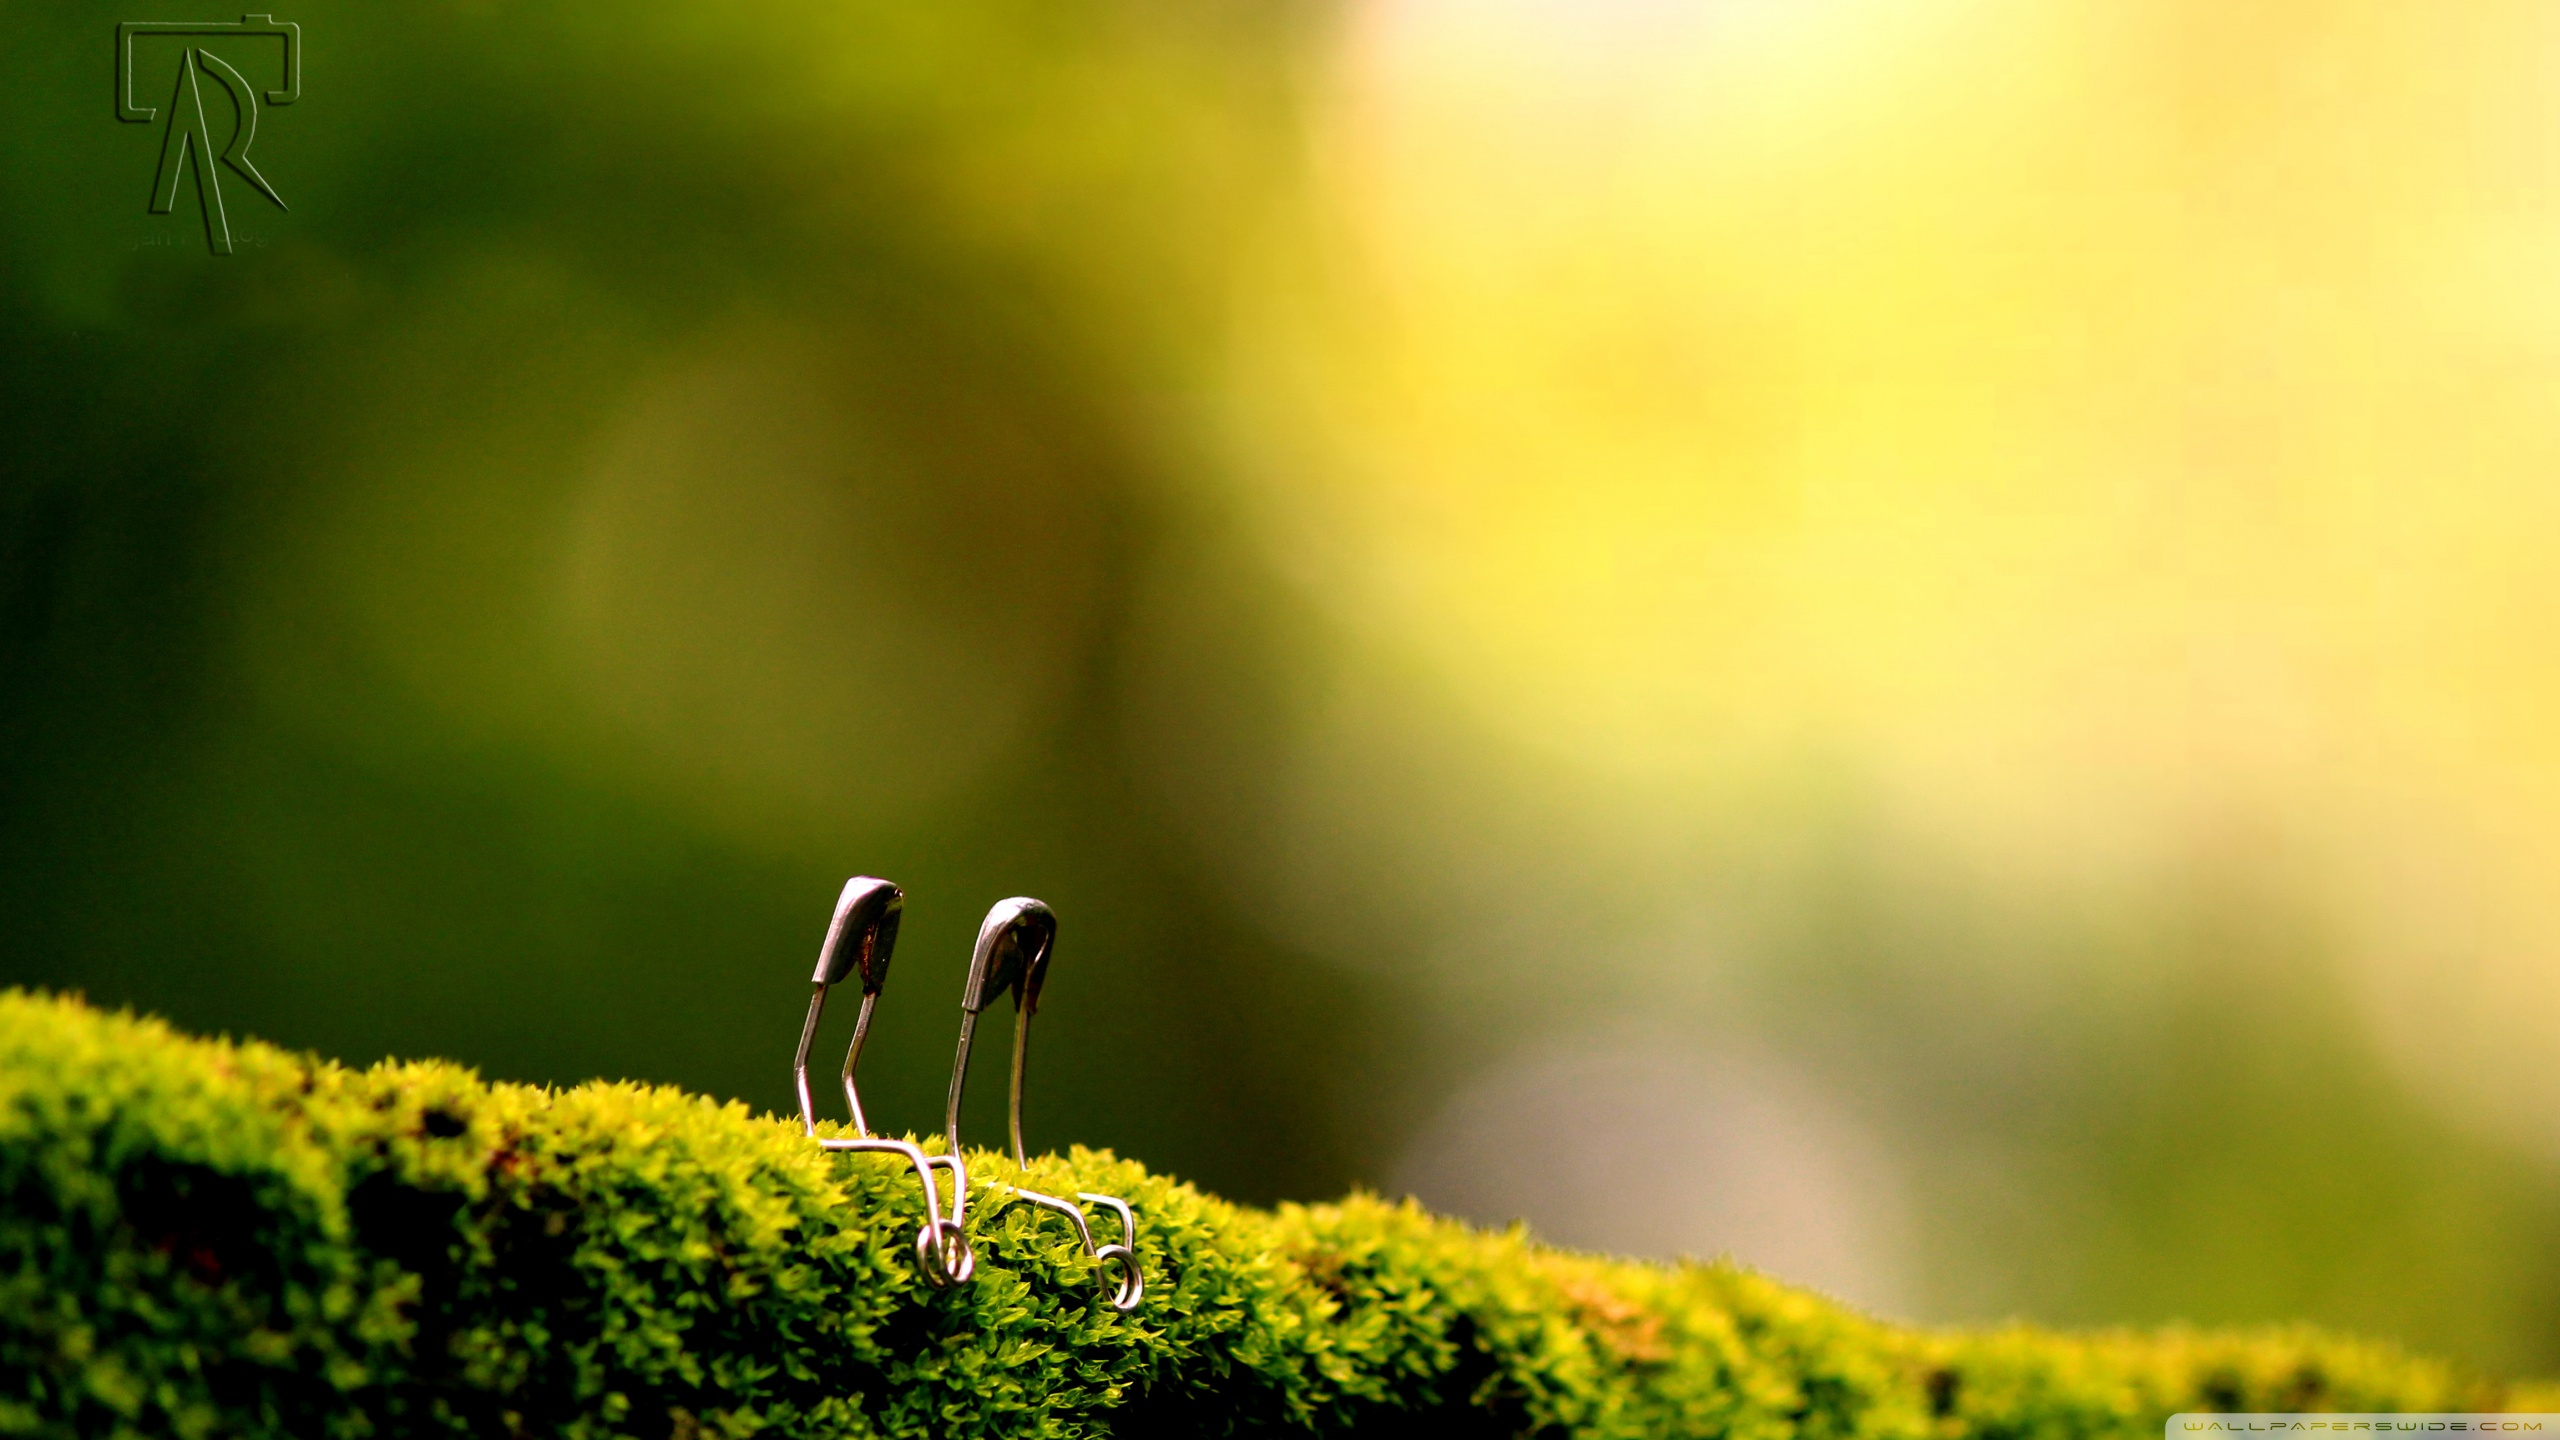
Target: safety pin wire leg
x,y
958,1167
1131,1286
953,1258
1133,1280
867,916
959,1079
937,1235
1128,1282
951,1158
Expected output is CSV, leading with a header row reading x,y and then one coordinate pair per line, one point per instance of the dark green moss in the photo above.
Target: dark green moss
x,y
203,1238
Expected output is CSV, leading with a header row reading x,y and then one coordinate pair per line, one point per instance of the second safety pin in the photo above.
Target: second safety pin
x,y
1012,955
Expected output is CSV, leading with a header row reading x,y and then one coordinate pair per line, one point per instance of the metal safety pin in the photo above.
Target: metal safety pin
x,y
1012,955
859,941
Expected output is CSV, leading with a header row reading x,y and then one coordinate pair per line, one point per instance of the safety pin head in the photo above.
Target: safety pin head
x,y
862,935
1012,955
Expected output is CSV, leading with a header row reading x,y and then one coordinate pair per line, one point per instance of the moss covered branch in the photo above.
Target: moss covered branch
x,y
205,1238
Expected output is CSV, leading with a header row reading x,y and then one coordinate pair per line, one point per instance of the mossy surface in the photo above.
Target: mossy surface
x,y
202,1239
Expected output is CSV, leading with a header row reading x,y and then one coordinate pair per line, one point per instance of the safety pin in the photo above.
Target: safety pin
x,y
859,941
1012,955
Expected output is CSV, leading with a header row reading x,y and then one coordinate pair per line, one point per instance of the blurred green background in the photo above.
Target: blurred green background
x,y
1908,638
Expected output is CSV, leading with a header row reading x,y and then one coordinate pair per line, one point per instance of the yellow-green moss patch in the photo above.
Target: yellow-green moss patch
x,y
203,1238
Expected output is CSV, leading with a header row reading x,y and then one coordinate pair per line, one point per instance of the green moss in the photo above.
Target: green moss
x,y
205,1238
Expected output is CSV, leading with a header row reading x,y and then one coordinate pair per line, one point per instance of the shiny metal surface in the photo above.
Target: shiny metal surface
x,y
862,934
1012,955
1132,1285
860,939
